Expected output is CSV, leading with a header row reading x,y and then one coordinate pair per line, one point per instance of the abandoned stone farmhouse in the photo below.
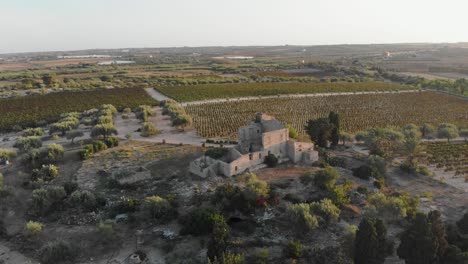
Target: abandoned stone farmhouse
x,y
263,136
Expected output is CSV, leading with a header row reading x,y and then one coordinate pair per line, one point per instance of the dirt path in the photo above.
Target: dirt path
x,y
156,94
159,96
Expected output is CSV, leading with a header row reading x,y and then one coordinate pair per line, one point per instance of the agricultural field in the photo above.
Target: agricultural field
x,y
214,91
451,157
28,110
357,112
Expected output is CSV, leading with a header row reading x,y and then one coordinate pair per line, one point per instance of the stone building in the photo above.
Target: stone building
x,y
263,136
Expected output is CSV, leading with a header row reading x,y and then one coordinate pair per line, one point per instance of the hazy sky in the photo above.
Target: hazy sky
x,y
40,25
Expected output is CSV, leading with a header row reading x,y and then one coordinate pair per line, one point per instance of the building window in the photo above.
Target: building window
x,y
235,168
259,155
258,131
250,156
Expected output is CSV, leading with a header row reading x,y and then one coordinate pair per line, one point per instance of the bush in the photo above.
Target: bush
x,y
34,228
148,129
86,152
111,142
339,194
326,209
200,221
83,199
254,189
143,111
51,154
33,132
301,217
294,249
376,168
216,153
7,154
24,144
40,201
70,187
104,130
99,145
292,131
56,252
326,179
306,178
271,160
107,229
157,207
74,134
45,173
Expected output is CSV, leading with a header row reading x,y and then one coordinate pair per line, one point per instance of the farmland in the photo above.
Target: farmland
x,y
448,156
213,91
28,110
357,112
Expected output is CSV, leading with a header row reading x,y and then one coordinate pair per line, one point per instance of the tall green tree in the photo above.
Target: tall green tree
x,y
219,237
319,130
371,245
418,243
334,120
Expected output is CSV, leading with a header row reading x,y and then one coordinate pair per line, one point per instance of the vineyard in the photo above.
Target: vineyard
x,y
357,112
448,156
27,110
214,91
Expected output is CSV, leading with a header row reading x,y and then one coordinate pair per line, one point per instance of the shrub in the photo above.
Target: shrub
x,y
200,221
254,189
74,134
143,111
104,130
107,229
326,209
83,199
56,251
156,207
294,249
326,179
216,153
25,144
86,152
339,194
40,200
394,206
45,173
271,160
7,154
70,187
292,131
148,129
34,228
51,154
306,178
99,145
301,217
111,142
33,132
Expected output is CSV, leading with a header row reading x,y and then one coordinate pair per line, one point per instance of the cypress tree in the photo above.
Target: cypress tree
x,y
418,243
371,245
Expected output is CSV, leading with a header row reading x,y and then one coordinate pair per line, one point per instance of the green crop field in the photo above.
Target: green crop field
x,y
357,112
27,110
213,91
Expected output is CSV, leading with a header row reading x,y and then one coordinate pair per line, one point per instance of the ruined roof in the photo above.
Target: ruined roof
x,y
268,123
271,125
